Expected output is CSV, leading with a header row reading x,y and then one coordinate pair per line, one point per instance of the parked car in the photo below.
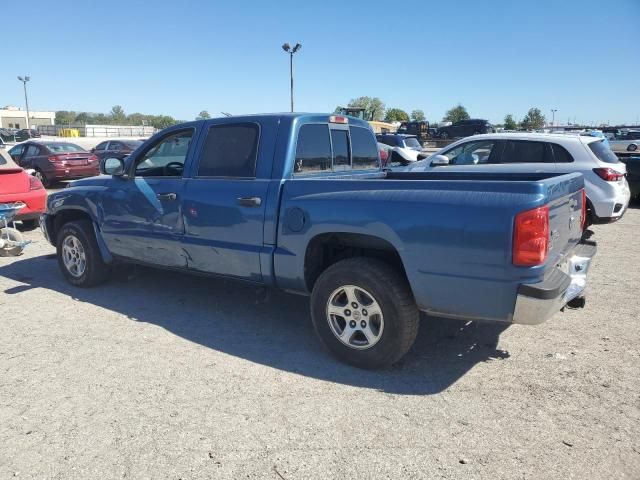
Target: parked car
x,y
26,134
16,185
299,202
405,147
55,161
419,129
115,148
633,175
465,128
604,175
626,143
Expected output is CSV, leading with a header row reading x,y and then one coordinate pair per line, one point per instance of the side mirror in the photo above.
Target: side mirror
x,y
112,166
438,160
92,150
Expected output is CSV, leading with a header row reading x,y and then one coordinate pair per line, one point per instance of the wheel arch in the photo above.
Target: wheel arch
x,y
56,221
326,249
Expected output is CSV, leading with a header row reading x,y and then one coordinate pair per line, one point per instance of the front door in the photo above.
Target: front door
x,y
224,202
142,215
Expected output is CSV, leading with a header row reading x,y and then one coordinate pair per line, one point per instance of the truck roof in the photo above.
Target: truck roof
x,y
304,116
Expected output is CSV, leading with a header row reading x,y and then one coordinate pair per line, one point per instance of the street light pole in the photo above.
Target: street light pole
x,y
24,81
287,48
553,116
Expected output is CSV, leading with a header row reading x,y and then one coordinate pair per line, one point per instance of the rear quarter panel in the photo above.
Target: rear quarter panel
x,y
454,237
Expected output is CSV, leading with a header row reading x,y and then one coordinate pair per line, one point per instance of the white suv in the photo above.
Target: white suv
x,y
604,175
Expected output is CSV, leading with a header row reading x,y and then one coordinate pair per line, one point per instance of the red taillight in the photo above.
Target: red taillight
x,y
608,174
35,184
384,157
531,237
53,159
583,213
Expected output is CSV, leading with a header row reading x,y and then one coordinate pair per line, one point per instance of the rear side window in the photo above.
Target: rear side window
x,y
560,154
603,152
32,151
340,144
230,151
313,151
524,151
363,148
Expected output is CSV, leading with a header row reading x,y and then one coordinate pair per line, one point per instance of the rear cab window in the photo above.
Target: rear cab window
x,y
602,152
323,149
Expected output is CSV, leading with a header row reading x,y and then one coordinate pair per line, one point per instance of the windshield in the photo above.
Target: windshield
x,y
412,142
64,147
603,152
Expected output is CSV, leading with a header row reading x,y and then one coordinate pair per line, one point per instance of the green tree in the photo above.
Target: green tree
x,y
65,117
417,116
510,123
373,107
456,114
117,115
533,120
203,115
396,115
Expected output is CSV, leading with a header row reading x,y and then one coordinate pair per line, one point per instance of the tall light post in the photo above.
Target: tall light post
x,y
24,81
287,48
553,116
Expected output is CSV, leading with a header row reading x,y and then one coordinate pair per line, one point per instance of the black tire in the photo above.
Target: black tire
x,y
389,288
28,225
95,270
632,148
43,178
444,136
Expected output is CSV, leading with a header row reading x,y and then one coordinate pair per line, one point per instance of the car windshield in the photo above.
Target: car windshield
x,y
412,142
64,147
603,152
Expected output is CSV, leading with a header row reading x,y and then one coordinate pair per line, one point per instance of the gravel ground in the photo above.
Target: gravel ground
x,y
158,375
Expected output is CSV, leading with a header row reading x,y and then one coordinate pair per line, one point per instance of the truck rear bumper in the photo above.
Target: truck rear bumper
x,y
537,302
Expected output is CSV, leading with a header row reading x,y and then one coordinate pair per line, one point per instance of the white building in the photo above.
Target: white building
x,y
14,117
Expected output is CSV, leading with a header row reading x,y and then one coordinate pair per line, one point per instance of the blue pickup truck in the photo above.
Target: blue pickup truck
x,y
299,202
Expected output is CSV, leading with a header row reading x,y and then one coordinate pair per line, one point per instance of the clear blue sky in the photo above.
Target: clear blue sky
x,y
180,57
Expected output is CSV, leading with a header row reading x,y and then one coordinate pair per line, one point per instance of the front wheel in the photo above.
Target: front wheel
x,y
364,312
78,255
632,148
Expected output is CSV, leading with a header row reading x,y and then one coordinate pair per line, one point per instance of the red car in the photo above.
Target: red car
x,y
16,185
55,161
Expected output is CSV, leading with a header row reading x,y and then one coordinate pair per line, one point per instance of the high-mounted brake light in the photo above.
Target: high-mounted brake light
x,y
531,237
583,213
338,119
608,174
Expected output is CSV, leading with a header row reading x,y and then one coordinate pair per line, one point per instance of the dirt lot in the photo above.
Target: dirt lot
x,y
167,376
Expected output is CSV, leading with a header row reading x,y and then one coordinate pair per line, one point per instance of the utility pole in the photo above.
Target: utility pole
x,y
287,48
24,81
553,116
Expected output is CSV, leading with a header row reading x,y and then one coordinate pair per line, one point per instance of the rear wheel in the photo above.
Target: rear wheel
x,y
632,148
364,312
43,178
78,255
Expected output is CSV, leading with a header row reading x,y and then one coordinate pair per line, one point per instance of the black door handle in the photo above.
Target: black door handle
x,y
166,196
250,201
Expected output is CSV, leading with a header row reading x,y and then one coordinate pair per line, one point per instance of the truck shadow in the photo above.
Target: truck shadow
x,y
276,331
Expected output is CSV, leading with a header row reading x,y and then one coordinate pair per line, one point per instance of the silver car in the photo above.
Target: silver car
x,y
628,142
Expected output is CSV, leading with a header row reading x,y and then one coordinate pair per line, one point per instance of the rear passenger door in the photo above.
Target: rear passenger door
x,y
224,200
